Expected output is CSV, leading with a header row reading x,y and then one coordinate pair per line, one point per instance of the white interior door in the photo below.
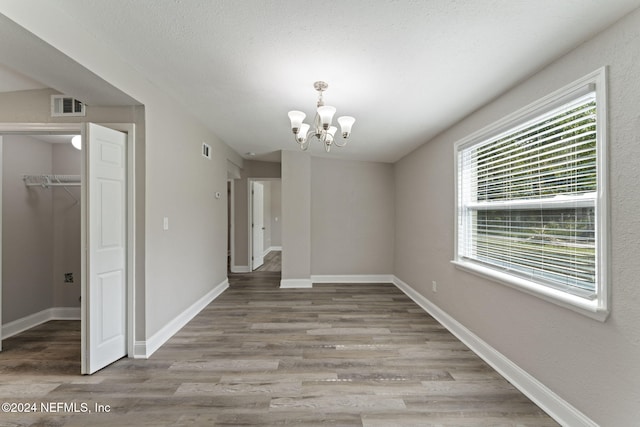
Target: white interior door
x,y
104,203
257,224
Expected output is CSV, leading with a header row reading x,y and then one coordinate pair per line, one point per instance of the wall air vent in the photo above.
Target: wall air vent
x,y
66,106
206,151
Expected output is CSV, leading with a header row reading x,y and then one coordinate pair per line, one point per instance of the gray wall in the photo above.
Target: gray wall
x,y
187,261
27,230
276,213
592,365
352,217
66,228
266,214
41,229
296,217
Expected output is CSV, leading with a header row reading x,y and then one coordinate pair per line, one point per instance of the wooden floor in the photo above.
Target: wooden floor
x,y
334,355
272,262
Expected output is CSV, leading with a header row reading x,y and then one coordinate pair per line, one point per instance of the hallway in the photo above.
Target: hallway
x,y
337,354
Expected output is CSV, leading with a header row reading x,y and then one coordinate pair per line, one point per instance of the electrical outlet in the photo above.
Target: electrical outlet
x,y
68,277
434,286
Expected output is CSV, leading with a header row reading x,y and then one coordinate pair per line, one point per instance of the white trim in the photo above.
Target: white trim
x,y
599,308
555,99
139,350
231,210
240,269
559,409
50,128
25,323
353,278
586,307
296,283
170,329
271,249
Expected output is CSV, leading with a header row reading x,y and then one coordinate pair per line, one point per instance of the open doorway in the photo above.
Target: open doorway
x,y
103,236
265,218
41,257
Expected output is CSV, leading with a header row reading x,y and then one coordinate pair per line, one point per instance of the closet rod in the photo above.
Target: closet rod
x,y
54,184
46,181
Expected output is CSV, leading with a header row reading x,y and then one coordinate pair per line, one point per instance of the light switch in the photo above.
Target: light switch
x,y
165,223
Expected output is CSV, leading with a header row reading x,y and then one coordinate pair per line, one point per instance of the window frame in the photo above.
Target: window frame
x,y
599,307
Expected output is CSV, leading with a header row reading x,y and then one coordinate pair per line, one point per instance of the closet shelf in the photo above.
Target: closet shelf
x,y
46,181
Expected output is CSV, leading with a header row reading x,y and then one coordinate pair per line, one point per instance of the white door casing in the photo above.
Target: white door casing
x,y
257,224
104,263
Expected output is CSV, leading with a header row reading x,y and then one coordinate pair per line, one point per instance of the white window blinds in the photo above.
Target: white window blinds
x,y
527,199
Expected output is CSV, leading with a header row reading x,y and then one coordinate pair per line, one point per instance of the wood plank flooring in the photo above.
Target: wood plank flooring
x,y
272,262
334,355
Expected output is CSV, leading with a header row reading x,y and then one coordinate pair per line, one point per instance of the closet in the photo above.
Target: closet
x,y
41,214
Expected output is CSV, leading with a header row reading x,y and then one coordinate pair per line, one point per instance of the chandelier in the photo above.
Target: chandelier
x,y
322,129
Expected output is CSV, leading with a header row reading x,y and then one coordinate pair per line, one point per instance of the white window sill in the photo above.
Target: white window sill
x,y
590,308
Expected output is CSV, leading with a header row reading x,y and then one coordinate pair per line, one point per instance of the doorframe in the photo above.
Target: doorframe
x,y
77,128
250,182
231,227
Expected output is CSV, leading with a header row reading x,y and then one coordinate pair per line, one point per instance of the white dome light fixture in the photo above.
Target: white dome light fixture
x,y
322,124
76,141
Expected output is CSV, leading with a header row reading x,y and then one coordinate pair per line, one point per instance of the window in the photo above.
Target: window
x,y
531,202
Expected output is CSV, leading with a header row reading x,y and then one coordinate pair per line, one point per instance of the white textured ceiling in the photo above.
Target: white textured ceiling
x,y
406,69
26,62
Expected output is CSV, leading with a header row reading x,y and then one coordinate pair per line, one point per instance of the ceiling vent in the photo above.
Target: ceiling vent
x,y
66,106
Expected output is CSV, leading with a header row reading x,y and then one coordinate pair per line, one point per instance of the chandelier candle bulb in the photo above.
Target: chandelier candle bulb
x,y
345,125
326,113
302,134
332,131
296,118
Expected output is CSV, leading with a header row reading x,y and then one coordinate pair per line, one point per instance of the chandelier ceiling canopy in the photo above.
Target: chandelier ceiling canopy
x,y
322,129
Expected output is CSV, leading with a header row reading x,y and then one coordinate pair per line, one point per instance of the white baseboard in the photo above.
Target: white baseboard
x,y
240,269
271,249
353,278
296,283
139,350
559,409
28,322
144,349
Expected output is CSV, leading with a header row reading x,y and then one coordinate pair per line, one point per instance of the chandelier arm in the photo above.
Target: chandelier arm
x,y
335,141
